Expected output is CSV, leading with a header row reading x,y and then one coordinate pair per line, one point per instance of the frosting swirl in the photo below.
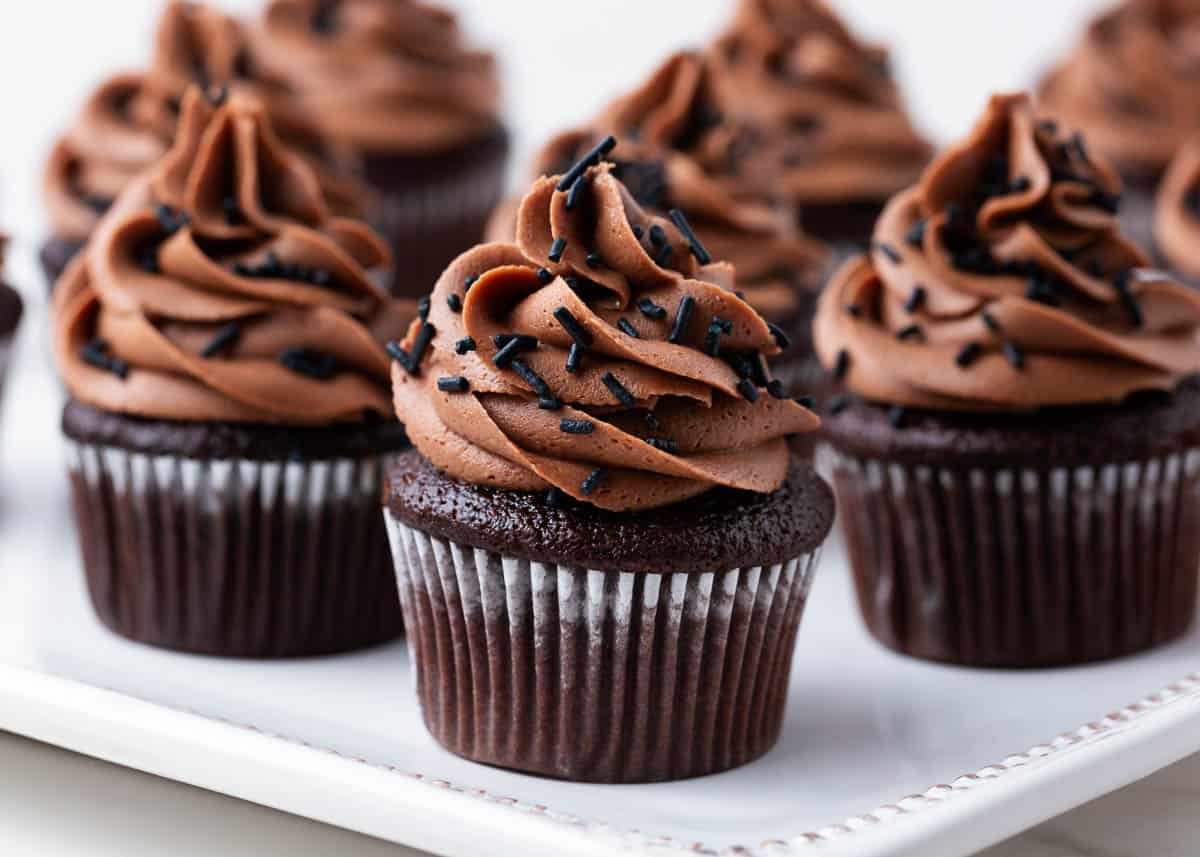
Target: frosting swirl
x,y
1002,282
674,152
220,287
128,123
658,401
1132,84
382,75
828,119
1177,212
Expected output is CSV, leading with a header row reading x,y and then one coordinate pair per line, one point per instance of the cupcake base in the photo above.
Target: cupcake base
x,y
1063,538
55,255
433,207
674,666
234,540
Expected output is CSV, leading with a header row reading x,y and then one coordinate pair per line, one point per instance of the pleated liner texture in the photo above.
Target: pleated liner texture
x,y
1022,567
431,215
235,557
595,676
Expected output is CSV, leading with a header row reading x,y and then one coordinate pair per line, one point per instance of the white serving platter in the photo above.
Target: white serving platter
x,y
879,756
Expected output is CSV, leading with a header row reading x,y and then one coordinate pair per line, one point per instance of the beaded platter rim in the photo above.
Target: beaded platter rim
x,y
1183,691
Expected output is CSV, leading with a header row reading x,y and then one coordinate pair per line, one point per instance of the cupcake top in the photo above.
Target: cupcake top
x,y
828,119
390,76
220,287
128,123
676,152
1132,82
1001,282
1177,212
604,356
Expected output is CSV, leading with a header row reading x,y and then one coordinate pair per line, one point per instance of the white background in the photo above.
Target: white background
x,y
562,59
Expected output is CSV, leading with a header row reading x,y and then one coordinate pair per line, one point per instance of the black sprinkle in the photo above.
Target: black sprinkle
x,y
1014,355
839,403
758,369
638,232
683,315
701,254
1077,143
96,353
968,354
457,384
854,310
148,259
712,338
544,276
574,358
652,310
423,307
224,337
658,235
842,365
593,260
896,415
618,389
781,338
557,249
464,345
806,402
555,498
573,328
664,255
593,481
411,360
576,191
470,281
454,302
314,364
511,346
989,321
916,235
916,300
664,444
1048,126
1020,184
170,220
627,328
912,331
651,421
1129,300
534,380
576,426
748,390
889,251
549,403
590,159
777,389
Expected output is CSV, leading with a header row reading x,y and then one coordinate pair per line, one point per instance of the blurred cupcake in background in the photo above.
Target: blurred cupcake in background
x,y
601,497
128,123
1177,213
396,83
1132,84
829,129
223,346
676,152
1018,463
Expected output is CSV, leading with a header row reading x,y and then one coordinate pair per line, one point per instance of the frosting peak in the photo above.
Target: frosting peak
x,y
1132,82
829,119
391,75
1001,282
221,287
600,356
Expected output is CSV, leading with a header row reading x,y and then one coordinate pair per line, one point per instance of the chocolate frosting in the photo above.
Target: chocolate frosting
x,y
388,76
128,123
220,287
709,426
828,119
1001,282
1177,212
1132,83
675,152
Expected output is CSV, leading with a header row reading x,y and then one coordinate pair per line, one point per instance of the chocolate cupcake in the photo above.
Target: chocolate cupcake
x,y
677,153
1018,465
222,344
393,81
830,129
603,516
1177,214
128,124
1131,85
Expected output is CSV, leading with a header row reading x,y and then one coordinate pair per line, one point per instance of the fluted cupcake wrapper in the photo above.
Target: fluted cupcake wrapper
x,y
235,557
1015,567
597,676
430,218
